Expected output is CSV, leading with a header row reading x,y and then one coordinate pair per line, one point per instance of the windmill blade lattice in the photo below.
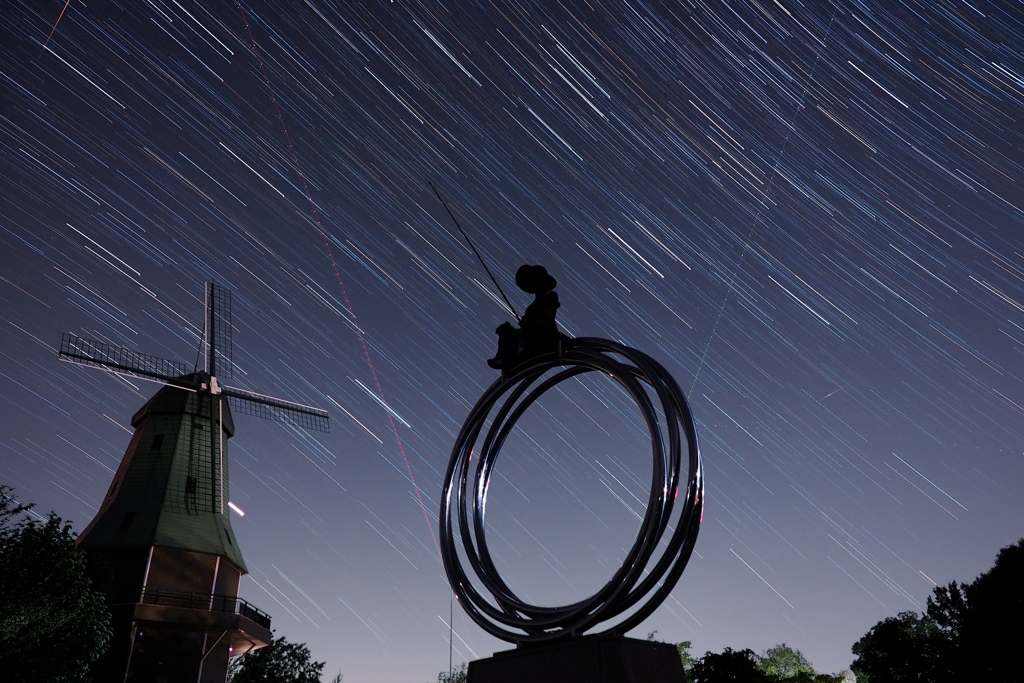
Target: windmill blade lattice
x,y
219,345
91,353
276,409
219,352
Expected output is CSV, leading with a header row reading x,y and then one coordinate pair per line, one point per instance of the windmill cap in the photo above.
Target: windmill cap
x,y
177,399
535,279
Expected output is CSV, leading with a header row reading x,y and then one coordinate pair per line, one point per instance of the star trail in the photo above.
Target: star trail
x,y
810,213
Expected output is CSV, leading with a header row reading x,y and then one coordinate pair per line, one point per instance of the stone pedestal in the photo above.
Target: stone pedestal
x,y
588,659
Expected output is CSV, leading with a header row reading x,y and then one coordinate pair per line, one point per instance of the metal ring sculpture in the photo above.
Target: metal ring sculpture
x,y
505,615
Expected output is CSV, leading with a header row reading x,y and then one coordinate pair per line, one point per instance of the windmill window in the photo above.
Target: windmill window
x,y
228,536
158,441
197,425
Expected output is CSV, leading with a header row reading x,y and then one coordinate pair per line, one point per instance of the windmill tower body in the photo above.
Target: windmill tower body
x,y
165,538
161,546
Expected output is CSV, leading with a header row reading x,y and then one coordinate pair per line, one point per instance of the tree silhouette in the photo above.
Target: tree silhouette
x,y
970,632
457,675
53,625
990,627
684,654
783,662
278,662
728,666
907,647
947,607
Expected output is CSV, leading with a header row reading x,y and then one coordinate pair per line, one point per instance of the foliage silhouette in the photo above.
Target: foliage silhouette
x,y
47,603
987,627
728,666
784,663
458,675
278,662
907,647
969,632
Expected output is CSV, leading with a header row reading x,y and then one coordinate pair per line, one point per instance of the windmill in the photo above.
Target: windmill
x,y
161,546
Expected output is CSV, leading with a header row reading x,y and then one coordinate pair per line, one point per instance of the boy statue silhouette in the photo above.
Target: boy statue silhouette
x,y
538,331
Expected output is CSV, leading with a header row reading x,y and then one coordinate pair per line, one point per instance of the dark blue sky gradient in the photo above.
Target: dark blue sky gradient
x,y
810,213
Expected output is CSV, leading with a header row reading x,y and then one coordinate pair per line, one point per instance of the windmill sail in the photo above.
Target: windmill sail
x,y
123,361
218,332
276,409
91,353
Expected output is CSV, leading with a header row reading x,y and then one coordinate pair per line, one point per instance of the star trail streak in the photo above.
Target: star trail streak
x,y
810,213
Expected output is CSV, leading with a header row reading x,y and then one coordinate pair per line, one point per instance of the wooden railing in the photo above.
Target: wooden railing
x,y
173,597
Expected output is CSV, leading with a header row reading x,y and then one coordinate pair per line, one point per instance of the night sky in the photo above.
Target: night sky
x,y
810,213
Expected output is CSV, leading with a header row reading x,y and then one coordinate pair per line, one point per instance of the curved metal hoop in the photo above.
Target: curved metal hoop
x,y
642,575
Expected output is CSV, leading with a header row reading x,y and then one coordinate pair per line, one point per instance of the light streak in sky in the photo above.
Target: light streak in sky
x,y
380,401
52,30
85,78
337,272
386,540
292,603
745,564
943,492
300,591
756,185
464,643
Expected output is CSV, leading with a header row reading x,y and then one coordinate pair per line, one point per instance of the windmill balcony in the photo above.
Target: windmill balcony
x,y
245,625
229,604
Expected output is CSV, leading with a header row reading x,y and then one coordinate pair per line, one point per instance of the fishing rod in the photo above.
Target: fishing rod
x,y
478,256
